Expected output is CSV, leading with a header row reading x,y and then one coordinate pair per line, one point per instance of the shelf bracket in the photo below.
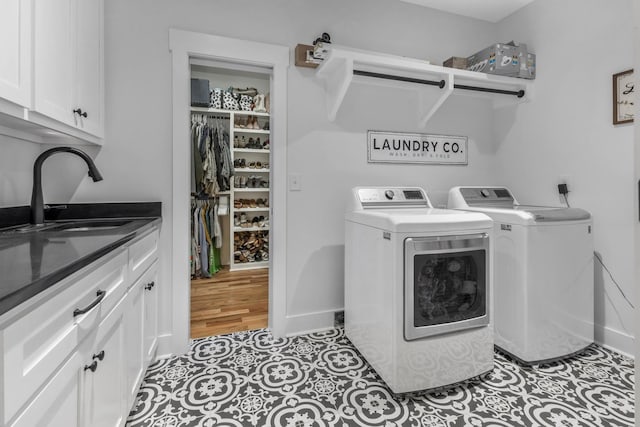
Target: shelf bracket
x,y
428,107
337,76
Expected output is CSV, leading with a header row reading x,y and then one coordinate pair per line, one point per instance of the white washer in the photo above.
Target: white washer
x,y
418,288
543,288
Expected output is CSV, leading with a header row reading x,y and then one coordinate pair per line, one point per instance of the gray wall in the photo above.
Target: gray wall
x,y
566,130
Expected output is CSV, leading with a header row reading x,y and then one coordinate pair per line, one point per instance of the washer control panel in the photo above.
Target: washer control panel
x,y
391,197
479,196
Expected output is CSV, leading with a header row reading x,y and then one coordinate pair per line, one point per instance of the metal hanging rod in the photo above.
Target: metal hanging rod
x,y
518,93
211,117
440,84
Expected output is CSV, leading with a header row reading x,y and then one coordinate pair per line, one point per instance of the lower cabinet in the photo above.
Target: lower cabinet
x,y
58,404
102,373
150,320
133,339
96,384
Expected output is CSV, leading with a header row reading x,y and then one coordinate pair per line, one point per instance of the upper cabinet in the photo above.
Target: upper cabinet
x,y
68,63
15,46
60,47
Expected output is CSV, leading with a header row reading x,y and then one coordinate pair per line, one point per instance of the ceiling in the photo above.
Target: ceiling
x,y
487,10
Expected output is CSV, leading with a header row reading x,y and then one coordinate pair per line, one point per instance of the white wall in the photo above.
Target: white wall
x,y
16,159
568,131
330,156
61,174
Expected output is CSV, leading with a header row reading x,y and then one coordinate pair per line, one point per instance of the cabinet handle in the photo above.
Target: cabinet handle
x,y
150,285
91,367
79,112
98,356
100,295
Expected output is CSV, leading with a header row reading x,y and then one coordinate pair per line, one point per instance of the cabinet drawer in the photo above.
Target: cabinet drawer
x,y
142,253
36,344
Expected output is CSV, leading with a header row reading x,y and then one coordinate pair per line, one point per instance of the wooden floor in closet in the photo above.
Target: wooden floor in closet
x,y
230,301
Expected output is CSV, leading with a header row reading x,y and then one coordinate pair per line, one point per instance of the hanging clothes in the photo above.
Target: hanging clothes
x,y
205,254
211,156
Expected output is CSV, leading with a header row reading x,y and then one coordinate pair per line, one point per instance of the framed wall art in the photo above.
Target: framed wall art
x,y
623,97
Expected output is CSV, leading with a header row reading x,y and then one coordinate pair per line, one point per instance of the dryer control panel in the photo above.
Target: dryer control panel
x,y
390,197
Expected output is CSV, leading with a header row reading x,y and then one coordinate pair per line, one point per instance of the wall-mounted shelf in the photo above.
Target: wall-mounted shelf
x,y
433,83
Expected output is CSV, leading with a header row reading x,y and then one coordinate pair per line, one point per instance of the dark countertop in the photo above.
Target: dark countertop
x,y
33,261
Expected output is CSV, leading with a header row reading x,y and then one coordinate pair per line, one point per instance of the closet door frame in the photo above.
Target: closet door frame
x,y
184,46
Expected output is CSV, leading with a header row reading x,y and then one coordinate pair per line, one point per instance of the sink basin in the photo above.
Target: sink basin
x,y
80,226
84,226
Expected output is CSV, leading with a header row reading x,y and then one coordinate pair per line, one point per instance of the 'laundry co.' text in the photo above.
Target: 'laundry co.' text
x,y
408,145
393,147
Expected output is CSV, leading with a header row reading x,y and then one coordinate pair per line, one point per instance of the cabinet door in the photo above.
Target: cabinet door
x,y
89,79
54,59
133,339
150,323
15,45
58,403
103,387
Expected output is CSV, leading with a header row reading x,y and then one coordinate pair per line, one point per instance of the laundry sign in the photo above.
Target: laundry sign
x,y
397,147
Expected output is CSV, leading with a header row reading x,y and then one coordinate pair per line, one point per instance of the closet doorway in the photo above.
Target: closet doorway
x,y
230,197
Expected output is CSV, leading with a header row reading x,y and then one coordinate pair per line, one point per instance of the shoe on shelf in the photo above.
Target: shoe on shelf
x,y
243,182
236,141
259,106
266,125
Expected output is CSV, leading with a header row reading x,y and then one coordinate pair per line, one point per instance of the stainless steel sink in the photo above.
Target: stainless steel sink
x,y
84,226
80,226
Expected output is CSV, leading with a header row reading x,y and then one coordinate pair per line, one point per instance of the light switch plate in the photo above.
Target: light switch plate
x,y
294,182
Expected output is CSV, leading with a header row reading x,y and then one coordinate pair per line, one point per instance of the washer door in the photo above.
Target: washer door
x,y
446,284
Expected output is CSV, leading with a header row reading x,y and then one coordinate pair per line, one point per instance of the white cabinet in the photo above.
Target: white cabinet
x,y
58,404
133,340
78,357
102,403
15,46
68,63
150,320
37,344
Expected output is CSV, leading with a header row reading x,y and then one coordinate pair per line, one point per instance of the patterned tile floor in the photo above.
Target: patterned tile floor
x,y
253,379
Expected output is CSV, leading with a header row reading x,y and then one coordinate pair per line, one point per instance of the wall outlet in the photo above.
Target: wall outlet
x,y
568,182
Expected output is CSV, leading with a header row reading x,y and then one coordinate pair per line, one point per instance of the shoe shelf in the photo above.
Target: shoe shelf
x,y
250,264
204,110
252,170
250,189
432,84
251,150
254,131
240,229
265,209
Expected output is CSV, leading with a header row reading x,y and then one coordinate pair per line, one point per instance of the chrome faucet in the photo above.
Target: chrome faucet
x,y
37,203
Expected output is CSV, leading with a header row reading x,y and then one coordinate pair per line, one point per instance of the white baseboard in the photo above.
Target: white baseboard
x,y
311,322
618,341
165,346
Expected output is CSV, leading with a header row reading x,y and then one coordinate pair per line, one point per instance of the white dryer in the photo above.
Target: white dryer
x,y
543,281
418,288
